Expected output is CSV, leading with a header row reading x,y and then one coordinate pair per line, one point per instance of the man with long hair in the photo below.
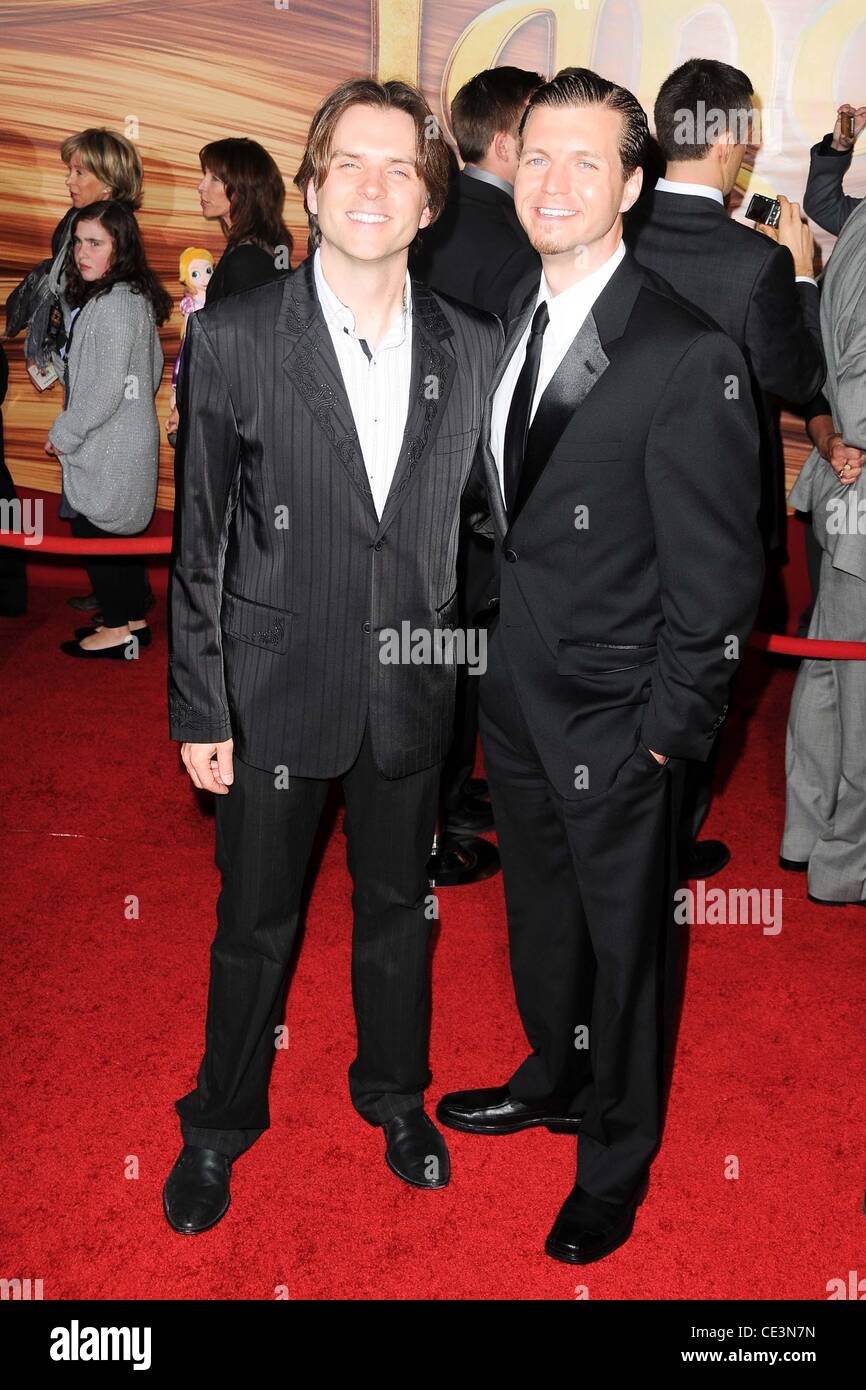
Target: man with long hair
x,y
327,429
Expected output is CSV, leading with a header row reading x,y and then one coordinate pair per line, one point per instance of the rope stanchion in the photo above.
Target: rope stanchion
x,y
812,647
775,642
73,545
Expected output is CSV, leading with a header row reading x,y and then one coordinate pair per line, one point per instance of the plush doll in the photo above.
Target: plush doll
x,y
195,271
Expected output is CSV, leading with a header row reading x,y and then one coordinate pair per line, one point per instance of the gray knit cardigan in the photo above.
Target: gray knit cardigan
x,y
107,438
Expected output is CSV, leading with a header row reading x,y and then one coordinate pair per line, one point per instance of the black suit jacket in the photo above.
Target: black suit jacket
x,y
617,619
476,250
746,284
283,576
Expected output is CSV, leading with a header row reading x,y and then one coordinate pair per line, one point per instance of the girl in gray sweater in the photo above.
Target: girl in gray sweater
x,y
107,436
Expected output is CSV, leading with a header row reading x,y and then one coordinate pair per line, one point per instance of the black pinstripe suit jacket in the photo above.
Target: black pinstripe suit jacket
x,y
283,578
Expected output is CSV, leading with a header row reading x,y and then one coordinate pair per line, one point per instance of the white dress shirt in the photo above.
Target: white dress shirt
x,y
567,312
377,385
704,190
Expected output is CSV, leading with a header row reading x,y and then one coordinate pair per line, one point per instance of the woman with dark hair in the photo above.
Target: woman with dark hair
x,y
242,189
107,436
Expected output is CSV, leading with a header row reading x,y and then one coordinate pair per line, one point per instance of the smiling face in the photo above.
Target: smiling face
x,y
92,249
213,197
570,188
199,273
372,200
83,186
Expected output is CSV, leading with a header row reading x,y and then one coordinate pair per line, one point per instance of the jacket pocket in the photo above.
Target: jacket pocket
x,y
598,659
256,623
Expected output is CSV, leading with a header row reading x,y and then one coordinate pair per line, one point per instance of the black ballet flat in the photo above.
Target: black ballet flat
x,y
117,653
143,634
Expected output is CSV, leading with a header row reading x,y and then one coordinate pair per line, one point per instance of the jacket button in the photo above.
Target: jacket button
x,y
511,556
367,627
378,545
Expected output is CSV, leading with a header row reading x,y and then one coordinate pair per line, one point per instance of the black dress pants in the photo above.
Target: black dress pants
x,y
119,581
589,891
264,836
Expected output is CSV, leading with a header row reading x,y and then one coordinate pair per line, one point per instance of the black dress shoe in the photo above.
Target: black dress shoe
x,y
196,1192
836,902
416,1151
794,866
588,1228
470,816
142,633
495,1110
703,859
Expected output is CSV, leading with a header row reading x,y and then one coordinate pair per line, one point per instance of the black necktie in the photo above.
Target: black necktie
x,y
517,426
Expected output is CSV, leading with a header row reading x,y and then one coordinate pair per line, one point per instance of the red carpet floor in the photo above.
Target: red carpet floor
x,y
104,1025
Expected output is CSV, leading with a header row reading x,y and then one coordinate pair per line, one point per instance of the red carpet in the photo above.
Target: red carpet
x,y
105,1022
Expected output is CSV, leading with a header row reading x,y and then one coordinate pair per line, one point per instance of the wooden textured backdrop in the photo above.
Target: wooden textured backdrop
x,y
174,76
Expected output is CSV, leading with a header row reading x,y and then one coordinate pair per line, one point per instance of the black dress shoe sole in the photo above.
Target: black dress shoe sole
x,y
410,1182
556,1126
195,1230
836,902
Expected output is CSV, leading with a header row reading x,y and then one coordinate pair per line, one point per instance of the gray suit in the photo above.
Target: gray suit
x,y
826,754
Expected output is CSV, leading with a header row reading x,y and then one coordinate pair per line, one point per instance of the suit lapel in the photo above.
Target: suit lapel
x,y
311,364
580,370
433,369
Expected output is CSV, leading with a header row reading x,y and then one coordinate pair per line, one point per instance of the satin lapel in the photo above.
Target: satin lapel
x,y
311,364
580,370
516,329
433,369
581,367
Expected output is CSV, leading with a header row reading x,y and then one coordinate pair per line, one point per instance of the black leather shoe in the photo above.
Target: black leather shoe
x,y
116,653
142,633
416,1151
470,816
588,1228
703,859
196,1192
794,866
495,1110
836,902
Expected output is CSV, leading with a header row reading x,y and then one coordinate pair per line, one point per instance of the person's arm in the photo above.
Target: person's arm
x,y
105,341
207,462
475,504
783,330
830,160
703,483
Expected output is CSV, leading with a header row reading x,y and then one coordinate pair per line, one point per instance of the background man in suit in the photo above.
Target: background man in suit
x,y
477,251
328,425
624,491
749,287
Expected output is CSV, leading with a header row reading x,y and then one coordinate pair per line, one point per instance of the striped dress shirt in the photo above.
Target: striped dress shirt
x,y
377,381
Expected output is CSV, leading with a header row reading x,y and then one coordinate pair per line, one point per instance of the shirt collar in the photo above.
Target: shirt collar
x,y
473,171
339,315
692,190
564,308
